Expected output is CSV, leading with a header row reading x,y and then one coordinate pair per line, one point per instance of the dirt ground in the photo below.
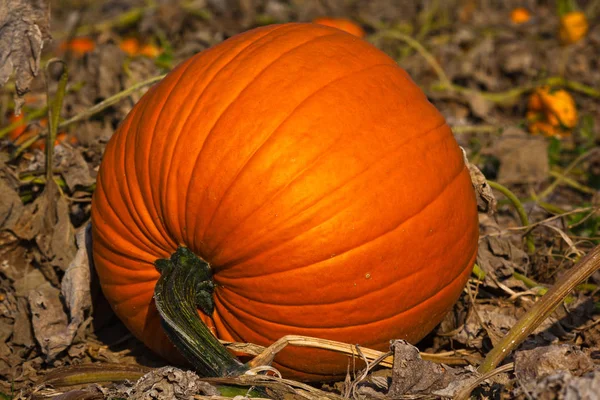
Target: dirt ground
x,y
478,66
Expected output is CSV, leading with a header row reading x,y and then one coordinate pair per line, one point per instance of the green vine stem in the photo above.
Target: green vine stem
x,y
542,309
414,43
95,109
520,210
185,285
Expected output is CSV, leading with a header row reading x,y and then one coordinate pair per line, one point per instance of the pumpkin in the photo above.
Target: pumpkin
x,y
520,15
551,112
343,24
78,46
328,195
573,27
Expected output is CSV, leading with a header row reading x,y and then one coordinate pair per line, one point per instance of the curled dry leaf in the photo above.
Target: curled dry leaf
x,y
486,202
412,375
23,28
76,283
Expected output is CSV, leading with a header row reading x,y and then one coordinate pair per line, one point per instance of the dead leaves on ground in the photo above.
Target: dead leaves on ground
x,y
24,25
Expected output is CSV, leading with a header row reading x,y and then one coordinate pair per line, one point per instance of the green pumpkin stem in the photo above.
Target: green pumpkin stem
x,y
186,285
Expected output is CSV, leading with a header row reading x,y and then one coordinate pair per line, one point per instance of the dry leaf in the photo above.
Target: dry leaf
x,y
75,170
47,221
411,374
76,283
564,386
23,28
499,258
49,320
163,383
547,360
10,205
486,202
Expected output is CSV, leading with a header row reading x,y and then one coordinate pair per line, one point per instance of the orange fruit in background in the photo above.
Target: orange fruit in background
x,y
343,24
552,112
573,27
520,15
78,46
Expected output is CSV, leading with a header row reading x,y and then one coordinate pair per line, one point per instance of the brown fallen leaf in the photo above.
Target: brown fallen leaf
x,y
75,170
499,258
22,329
23,28
47,222
543,361
413,375
564,386
486,202
49,320
76,283
10,205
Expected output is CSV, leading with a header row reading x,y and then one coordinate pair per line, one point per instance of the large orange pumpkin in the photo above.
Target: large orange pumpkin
x,y
328,195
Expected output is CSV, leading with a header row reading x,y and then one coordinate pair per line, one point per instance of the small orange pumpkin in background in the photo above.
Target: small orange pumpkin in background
x,y
19,130
520,15
79,46
573,27
343,24
328,195
551,112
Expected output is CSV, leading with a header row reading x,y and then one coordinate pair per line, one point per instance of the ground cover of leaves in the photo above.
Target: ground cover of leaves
x,y
50,315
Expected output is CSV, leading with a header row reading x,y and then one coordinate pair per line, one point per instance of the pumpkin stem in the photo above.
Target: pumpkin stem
x,y
185,285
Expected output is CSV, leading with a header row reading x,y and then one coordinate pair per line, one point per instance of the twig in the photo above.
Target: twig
x,y
550,219
520,210
465,392
541,310
265,355
572,183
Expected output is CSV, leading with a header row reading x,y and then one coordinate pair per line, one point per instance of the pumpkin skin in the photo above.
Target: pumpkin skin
x,y
327,193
